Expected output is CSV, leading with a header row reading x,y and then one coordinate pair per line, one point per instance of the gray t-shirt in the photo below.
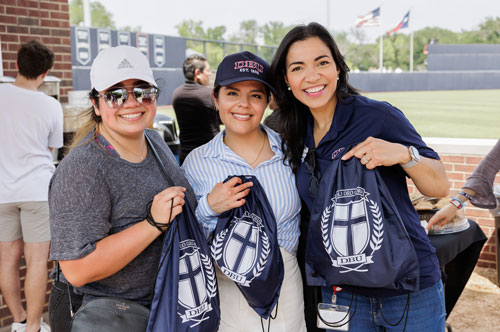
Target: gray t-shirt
x,y
94,193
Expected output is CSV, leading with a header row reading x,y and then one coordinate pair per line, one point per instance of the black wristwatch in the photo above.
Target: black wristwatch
x,y
415,157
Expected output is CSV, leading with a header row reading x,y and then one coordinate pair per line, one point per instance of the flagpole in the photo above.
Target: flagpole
x,y
411,51
381,52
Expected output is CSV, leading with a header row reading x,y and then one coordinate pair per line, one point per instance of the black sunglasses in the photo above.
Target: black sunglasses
x,y
313,169
116,97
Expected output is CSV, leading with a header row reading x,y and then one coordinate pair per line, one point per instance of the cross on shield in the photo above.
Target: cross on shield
x,y
350,232
240,252
192,292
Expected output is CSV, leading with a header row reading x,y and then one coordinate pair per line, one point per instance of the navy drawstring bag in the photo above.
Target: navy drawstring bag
x,y
356,236
245,247
185,295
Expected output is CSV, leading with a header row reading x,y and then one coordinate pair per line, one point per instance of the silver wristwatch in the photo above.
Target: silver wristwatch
x,y
415,157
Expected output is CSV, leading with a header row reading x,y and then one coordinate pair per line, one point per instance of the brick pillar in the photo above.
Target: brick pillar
x,y
48,22
43,20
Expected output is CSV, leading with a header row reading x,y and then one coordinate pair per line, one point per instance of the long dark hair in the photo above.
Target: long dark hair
x,y
292,113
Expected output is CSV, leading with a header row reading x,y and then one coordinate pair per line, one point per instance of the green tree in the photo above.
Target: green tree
x,y
191,29
100,16
216,33
273,32
249,32
397,51
488,33
194,29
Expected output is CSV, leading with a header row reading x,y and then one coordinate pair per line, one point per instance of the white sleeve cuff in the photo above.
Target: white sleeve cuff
x,y
206,216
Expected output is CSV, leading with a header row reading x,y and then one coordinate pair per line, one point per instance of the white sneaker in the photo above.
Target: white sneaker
x,y
44,327
18,327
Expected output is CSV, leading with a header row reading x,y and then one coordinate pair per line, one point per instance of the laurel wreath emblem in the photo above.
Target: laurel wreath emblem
x,y
211,279
216,248
261,264
217,251
378,227
324,229
377,234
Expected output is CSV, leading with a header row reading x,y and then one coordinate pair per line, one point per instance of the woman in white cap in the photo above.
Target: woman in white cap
x,y
105,235
246,147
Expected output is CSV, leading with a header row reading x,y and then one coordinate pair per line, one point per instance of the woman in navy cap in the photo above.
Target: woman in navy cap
x,y
321,114
246,147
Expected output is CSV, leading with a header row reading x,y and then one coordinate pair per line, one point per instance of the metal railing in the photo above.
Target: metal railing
x,y
216,50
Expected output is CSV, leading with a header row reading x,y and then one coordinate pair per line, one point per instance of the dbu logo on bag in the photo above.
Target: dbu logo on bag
x,y
197,283
185,295
356,236
243,253
352,230
245,247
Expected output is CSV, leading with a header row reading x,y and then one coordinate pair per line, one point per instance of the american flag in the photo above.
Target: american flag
x,y
369,20
403,24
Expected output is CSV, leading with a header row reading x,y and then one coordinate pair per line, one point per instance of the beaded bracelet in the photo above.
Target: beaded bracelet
x,y
158,225
456,202
463,193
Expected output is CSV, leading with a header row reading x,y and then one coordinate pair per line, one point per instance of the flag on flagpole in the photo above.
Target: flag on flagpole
x,y
369,20
403,24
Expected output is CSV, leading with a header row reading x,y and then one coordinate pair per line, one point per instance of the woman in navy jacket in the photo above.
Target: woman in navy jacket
x,y
321,114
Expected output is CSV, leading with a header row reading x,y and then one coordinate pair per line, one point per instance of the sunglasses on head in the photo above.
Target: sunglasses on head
x,y
313,169
116,97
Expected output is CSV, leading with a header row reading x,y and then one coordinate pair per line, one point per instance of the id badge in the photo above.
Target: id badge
x,y
333,317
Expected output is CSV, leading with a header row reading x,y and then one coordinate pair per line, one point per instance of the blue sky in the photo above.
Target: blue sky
x,y
161,16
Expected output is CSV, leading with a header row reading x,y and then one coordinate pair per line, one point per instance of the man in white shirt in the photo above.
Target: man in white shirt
x,y
31,126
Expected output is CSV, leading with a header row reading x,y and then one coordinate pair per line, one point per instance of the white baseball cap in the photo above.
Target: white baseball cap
x,y
115,64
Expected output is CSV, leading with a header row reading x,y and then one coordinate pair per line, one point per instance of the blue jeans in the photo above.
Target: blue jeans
x,y
427,310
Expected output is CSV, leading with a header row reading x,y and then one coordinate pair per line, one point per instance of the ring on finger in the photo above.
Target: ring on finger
x,y
365,159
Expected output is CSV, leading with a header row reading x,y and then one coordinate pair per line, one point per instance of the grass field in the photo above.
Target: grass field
x,y
454,113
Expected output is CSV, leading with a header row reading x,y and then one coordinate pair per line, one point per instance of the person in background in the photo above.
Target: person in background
x,y
241,94
322,112
103,190
194,107
31,126
478,189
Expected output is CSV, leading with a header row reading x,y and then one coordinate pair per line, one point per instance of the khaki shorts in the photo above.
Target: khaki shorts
x,y
26,220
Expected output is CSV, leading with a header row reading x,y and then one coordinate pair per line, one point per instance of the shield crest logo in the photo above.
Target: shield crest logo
x,y
159,50
350,232
142,43
123,38
83,54
240,251
192,291
104,39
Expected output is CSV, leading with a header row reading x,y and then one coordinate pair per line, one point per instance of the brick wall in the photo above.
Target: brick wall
x,y
458,168
48,22
43,20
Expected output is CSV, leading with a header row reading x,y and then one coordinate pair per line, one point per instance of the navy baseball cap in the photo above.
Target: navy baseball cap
x,y
242,66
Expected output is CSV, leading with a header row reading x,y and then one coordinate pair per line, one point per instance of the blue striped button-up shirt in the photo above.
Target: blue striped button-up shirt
x,y
215,161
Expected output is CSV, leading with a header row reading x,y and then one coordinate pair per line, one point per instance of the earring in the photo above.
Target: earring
x,y
338,78
288,87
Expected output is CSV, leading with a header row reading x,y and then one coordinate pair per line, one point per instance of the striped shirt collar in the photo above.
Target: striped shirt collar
x,y
217,148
